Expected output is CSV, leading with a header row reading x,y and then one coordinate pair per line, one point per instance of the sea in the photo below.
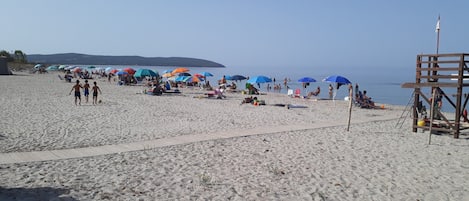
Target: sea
x,y
383,85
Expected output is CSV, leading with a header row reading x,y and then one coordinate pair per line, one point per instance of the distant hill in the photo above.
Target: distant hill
x,y
83,59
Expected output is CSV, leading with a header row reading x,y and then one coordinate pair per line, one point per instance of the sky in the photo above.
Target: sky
x,y
362,34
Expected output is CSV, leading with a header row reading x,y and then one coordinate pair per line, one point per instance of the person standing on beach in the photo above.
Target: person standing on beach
x,y
356,89
331,91
76,87
86,89
95,93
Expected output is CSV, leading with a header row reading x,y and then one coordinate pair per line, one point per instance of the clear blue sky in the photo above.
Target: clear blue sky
x,y
266,33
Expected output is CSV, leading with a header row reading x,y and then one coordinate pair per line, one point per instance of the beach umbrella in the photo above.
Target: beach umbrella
x,y
114,71
198,75
122,73
181,78
129,70
39,66
259,79
206,74
338,79
167,71
167,75
236,77
108,69
62,67
184,74
91,67
145,72
192,79
52,68
180,70
76,70
306,79
70,68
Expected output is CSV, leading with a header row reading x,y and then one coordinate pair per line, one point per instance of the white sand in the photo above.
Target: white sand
x,y
374,161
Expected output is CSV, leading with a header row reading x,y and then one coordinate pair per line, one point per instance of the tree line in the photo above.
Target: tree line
x,y
17,56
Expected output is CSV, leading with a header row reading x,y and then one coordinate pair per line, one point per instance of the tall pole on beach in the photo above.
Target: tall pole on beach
x,y
437,30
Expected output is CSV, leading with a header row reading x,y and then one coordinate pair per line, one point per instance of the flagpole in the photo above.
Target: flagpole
x,y
438,35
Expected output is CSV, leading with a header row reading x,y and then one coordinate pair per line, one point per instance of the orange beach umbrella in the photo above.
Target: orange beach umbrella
x,y
180,70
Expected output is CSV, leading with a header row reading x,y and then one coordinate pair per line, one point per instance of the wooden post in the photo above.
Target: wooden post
x,y
432,108
350,106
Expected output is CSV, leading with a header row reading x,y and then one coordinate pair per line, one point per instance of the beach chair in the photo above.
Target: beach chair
x,y
297,93
290,92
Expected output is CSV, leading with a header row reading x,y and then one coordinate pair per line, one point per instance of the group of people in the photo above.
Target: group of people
x,y
86,88
362,99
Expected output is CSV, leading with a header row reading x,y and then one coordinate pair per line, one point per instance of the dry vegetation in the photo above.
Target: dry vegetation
x,y
14,66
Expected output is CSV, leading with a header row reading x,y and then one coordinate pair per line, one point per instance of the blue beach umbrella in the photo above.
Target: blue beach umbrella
x,y
236,77
338,79
181,78
306,79
142,72
206,74
121,73
259,79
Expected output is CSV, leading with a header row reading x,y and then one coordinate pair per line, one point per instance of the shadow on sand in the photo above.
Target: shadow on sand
x,y
41,193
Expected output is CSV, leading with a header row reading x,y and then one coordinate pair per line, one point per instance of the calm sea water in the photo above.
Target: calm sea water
x,y
382,84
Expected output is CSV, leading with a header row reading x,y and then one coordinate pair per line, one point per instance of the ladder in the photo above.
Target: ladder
x,y
406,112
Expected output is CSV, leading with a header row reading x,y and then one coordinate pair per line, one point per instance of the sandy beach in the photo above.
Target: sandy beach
x,y
375,160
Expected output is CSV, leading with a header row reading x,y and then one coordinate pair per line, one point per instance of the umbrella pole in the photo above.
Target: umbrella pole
x,y
349,108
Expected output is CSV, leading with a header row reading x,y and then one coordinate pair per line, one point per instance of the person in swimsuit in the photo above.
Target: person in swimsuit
x,y
76,87
86,88
95,93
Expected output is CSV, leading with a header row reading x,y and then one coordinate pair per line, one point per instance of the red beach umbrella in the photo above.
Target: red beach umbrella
x,y
129,70
114,71
199,75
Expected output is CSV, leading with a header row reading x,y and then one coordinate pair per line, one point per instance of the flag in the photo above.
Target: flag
x,y
438,25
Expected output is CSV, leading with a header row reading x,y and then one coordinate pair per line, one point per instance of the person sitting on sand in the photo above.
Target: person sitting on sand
x,y
314,93
233,86
253,90
367,100
207,85
76,87
95,93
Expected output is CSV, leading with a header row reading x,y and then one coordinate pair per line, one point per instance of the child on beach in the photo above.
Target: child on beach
x,y
76,87
86,88
95,93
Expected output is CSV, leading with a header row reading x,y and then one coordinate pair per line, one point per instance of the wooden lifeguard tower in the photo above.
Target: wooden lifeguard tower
x,y
440,71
